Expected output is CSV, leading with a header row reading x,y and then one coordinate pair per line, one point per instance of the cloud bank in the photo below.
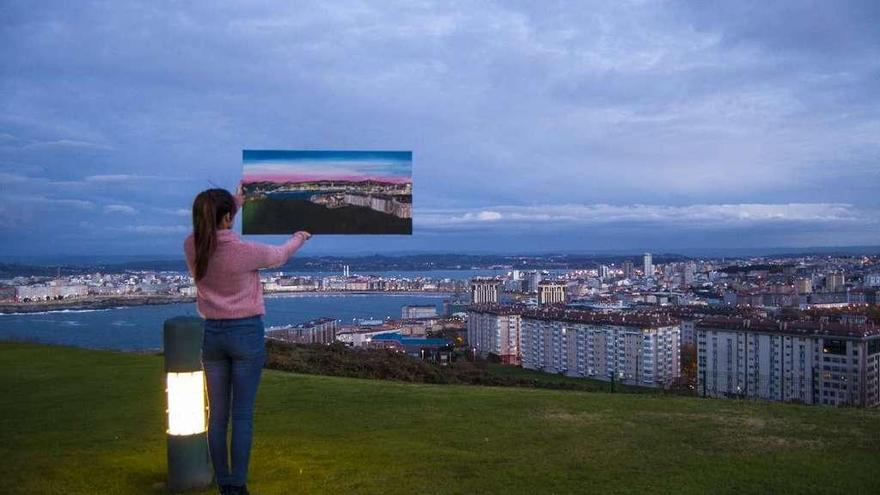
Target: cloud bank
x,y
626,124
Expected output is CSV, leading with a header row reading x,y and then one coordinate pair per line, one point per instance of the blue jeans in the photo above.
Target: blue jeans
x,y
233,354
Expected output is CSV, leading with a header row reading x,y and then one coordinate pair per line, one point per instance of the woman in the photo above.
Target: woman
x,y
230,298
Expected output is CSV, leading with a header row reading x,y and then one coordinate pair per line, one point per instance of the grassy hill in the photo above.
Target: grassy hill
x,y
285,216
78,421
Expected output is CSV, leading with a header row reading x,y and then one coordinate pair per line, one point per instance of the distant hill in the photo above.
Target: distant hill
x,y
9,270
48,266
411,262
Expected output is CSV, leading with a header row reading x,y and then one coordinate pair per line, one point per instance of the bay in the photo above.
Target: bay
x,y
139,328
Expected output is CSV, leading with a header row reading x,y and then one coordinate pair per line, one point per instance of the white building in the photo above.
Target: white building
x,y
49,292
484,290
381,203
531,281
494,329
551,293
189,290
648,265
629,349
807,362
320,331
361,334
418,311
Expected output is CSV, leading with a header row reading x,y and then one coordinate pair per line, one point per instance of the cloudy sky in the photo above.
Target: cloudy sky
x,y
534,125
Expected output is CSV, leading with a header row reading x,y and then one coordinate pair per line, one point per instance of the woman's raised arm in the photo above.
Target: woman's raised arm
x,y
268,256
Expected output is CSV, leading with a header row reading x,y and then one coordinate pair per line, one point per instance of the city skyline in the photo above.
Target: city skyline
x,y
625,127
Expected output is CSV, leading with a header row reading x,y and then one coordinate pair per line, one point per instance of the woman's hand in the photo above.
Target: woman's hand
x,y
305,235
239,196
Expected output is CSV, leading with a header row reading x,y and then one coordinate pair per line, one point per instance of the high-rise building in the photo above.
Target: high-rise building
x,y
551,292
794,361
494,329
531,281
630,349
834,282
604,272
803,285
648,265
484,290
687,332
628,269
688,273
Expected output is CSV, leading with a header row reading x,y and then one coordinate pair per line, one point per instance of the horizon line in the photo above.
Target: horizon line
x,y
706,253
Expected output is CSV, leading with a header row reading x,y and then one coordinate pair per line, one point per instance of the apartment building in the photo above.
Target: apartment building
x,y
551,293
800,361
485,290
319,331
495,329
639,350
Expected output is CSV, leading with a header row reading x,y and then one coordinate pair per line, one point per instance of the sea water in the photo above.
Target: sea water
x,y
139,328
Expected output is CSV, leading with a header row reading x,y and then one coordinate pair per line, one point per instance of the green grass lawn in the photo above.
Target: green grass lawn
x,y
566,382
91,422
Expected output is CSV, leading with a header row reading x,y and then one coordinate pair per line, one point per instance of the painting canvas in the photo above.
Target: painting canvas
x,y
327,192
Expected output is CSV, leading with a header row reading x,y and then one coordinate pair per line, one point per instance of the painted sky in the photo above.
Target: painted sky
x,y
554,125
312,165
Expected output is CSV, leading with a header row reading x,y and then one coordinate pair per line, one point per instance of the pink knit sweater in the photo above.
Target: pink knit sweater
x,y
231,286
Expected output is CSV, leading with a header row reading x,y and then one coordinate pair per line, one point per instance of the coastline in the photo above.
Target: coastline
x,y
91,303
127,301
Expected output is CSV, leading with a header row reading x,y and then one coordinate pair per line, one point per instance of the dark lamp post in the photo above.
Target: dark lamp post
x,y
189,464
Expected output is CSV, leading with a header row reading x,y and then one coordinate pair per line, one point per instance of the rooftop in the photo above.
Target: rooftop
x,y
497,309
593,318
558,313
800,327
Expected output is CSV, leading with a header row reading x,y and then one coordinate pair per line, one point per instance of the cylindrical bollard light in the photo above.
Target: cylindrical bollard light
x,y
189,464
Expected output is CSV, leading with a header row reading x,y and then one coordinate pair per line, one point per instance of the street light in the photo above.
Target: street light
x,y
189,465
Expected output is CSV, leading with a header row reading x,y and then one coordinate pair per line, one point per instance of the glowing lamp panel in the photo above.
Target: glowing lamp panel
x,y
186,403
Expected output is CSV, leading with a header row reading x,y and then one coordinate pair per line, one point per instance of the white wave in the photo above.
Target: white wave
x,y
56,311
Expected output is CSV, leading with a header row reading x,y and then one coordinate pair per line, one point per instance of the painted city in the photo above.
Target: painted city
x,y
327,192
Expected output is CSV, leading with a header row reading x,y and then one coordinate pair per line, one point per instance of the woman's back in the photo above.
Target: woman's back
x,y
231,285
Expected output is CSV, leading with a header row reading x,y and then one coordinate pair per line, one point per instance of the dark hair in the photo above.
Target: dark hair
x,y
209,208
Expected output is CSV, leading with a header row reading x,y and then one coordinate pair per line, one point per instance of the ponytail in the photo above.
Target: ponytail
x,y
208,209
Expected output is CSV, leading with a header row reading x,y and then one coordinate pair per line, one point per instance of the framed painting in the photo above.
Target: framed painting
x,y
327,192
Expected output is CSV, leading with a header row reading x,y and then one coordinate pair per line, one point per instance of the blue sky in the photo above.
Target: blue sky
x,y
624,125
